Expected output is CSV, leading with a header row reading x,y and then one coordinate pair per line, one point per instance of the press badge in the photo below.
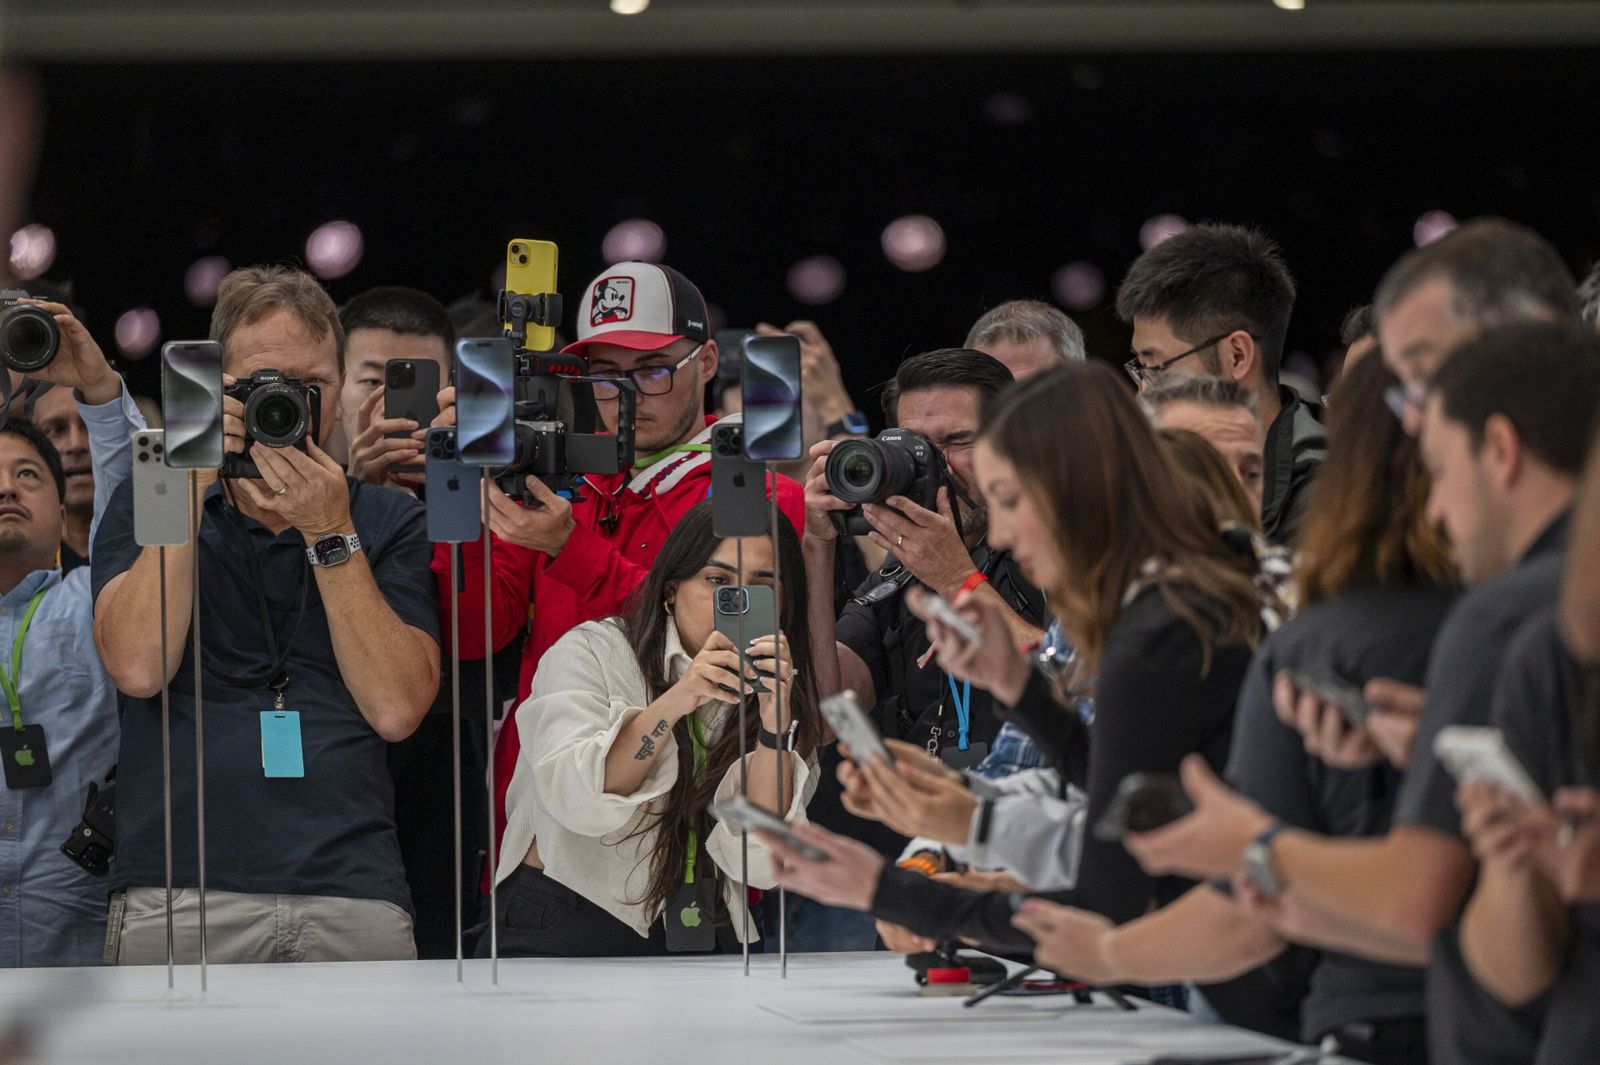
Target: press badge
x,y
691,917
26,758
280,744
956,758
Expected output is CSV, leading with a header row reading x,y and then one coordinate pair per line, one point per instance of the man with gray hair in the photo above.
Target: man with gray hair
x,y
1486,273
321,622
1219,410
1028,336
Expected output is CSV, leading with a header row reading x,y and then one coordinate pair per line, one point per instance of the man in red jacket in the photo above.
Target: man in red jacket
x,y
581,561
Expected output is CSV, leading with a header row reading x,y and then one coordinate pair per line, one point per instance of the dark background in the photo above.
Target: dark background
x,y
752,164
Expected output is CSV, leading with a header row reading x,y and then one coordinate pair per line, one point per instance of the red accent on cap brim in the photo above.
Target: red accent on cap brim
x,y
633,340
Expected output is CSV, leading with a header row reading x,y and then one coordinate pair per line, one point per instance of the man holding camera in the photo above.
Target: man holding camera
x,y
937,541
62,732
580,561
319,619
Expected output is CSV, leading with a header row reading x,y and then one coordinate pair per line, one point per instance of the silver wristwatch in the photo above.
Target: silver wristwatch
x,y
1258,861
333,549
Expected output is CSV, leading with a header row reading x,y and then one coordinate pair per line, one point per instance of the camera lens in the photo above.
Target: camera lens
x,y
277,416
405,375
29,338
869,471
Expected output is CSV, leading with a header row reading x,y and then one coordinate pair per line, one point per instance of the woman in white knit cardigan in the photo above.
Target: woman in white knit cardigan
x,y
629,734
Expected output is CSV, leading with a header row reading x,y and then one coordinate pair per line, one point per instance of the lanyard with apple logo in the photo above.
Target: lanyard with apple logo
x,y
22,747
690,916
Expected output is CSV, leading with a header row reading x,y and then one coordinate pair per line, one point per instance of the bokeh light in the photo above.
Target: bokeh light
x,y
1079,286
33,249
200,281
1160,228
137,331
914,243
333,249
816,280
635,238
1431,226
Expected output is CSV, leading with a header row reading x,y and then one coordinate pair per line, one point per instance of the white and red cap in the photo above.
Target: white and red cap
x,y
640,306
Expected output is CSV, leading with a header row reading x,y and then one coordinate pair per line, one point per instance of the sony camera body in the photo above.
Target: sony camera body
x,y
897,462
29,336
279,411
559,432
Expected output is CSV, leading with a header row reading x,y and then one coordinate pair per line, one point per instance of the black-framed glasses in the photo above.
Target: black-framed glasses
x,y
1146,375
650,381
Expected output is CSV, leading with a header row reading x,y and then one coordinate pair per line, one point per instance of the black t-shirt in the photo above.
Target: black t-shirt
x,y
1365,633
1539,706
331,832
1155,703
1466,1023
70,559
912,699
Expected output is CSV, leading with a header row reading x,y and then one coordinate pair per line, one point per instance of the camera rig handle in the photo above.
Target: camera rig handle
x,y
523,310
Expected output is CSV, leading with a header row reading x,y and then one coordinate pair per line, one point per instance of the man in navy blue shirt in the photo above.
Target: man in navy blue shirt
x,y
319,618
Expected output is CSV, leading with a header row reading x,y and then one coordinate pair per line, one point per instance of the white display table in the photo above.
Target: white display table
x,y
832,1009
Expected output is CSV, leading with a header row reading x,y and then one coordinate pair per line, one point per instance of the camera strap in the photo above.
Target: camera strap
x,y
277,647
10,679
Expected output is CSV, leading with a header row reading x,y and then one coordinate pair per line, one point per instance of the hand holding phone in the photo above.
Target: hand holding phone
x,y
743,814
410,392
855,730
1473,754
1144,802
946,615
1333,690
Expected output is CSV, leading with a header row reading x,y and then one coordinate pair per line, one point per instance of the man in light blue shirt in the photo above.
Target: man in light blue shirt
x,y
51,911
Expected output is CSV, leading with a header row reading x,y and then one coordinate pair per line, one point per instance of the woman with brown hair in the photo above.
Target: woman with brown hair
x,y
631,733
1376,582
1217,492
1162,614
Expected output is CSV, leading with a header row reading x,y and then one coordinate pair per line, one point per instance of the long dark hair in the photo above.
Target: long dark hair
x,y
1114,500
1367,519
686,552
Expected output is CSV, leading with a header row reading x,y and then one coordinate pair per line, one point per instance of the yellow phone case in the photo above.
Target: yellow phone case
x,y
530,271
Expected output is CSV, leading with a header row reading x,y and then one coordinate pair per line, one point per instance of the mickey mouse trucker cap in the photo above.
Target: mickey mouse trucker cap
x,y
640,306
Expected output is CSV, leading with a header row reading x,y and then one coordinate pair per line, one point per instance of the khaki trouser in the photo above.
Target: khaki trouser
x,y
255,928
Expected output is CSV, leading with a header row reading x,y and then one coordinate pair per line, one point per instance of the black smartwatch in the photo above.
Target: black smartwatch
x,y
775,742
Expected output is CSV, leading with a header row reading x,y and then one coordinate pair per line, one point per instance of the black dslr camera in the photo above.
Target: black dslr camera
x,y
29,336
94,839
279,411
897,462
558,429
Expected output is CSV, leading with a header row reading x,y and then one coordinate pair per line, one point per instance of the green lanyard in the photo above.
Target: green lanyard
x,y
644,462
10,680
697,737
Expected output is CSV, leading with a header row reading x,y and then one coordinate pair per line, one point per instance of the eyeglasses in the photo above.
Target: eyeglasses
x,y
1406,399
1146,375
650,381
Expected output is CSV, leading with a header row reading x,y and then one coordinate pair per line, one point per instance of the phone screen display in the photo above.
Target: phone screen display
x,y
485,431
771,391
191,403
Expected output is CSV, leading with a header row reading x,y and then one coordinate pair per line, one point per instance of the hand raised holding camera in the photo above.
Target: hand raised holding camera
x,y
924,540
545,527
79,362
821,503
306,489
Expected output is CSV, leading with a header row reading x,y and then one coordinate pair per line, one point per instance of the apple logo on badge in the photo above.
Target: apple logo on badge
x,y
690,915
24,757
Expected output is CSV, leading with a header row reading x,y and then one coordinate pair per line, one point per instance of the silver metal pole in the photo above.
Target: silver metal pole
x,y
777,596
199,727
455,730
488,706
744,784
166,761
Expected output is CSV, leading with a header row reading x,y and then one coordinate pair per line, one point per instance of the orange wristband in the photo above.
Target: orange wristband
x,y
972,582
921,863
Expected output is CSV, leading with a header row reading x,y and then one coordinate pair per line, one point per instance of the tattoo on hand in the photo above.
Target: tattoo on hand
x,y
647,746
